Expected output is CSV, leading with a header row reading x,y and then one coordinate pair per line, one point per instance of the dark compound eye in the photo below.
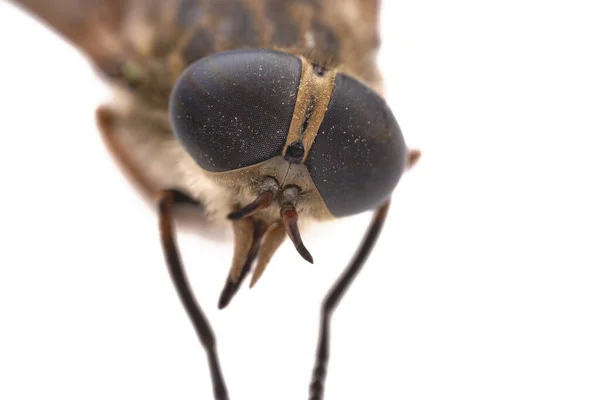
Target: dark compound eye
x,y
359,154
232,110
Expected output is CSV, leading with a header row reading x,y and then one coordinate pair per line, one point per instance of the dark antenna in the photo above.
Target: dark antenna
x,y
269,187
263,201
289,216
290,221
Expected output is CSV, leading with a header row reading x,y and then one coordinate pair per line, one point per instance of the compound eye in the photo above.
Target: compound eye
x,y
231,110
359,153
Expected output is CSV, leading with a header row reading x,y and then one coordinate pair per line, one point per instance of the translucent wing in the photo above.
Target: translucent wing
x,y
111,32
93,26
130,40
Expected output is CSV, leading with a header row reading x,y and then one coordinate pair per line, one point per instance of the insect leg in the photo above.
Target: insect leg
x,y
334,296
167,201
105,118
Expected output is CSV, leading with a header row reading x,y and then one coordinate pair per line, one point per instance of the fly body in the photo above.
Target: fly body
x,y
267,114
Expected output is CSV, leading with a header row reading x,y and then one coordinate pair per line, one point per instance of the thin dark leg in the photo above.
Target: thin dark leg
x,y
231,288
167,200
333,298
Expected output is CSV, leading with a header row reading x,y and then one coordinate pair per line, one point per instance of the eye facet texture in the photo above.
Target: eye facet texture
x,y
359,153
231,110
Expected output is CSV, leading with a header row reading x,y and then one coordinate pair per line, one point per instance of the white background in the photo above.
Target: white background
x,y
485,283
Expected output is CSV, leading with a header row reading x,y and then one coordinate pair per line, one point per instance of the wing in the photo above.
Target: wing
x,y
92,26
130,41
112,32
